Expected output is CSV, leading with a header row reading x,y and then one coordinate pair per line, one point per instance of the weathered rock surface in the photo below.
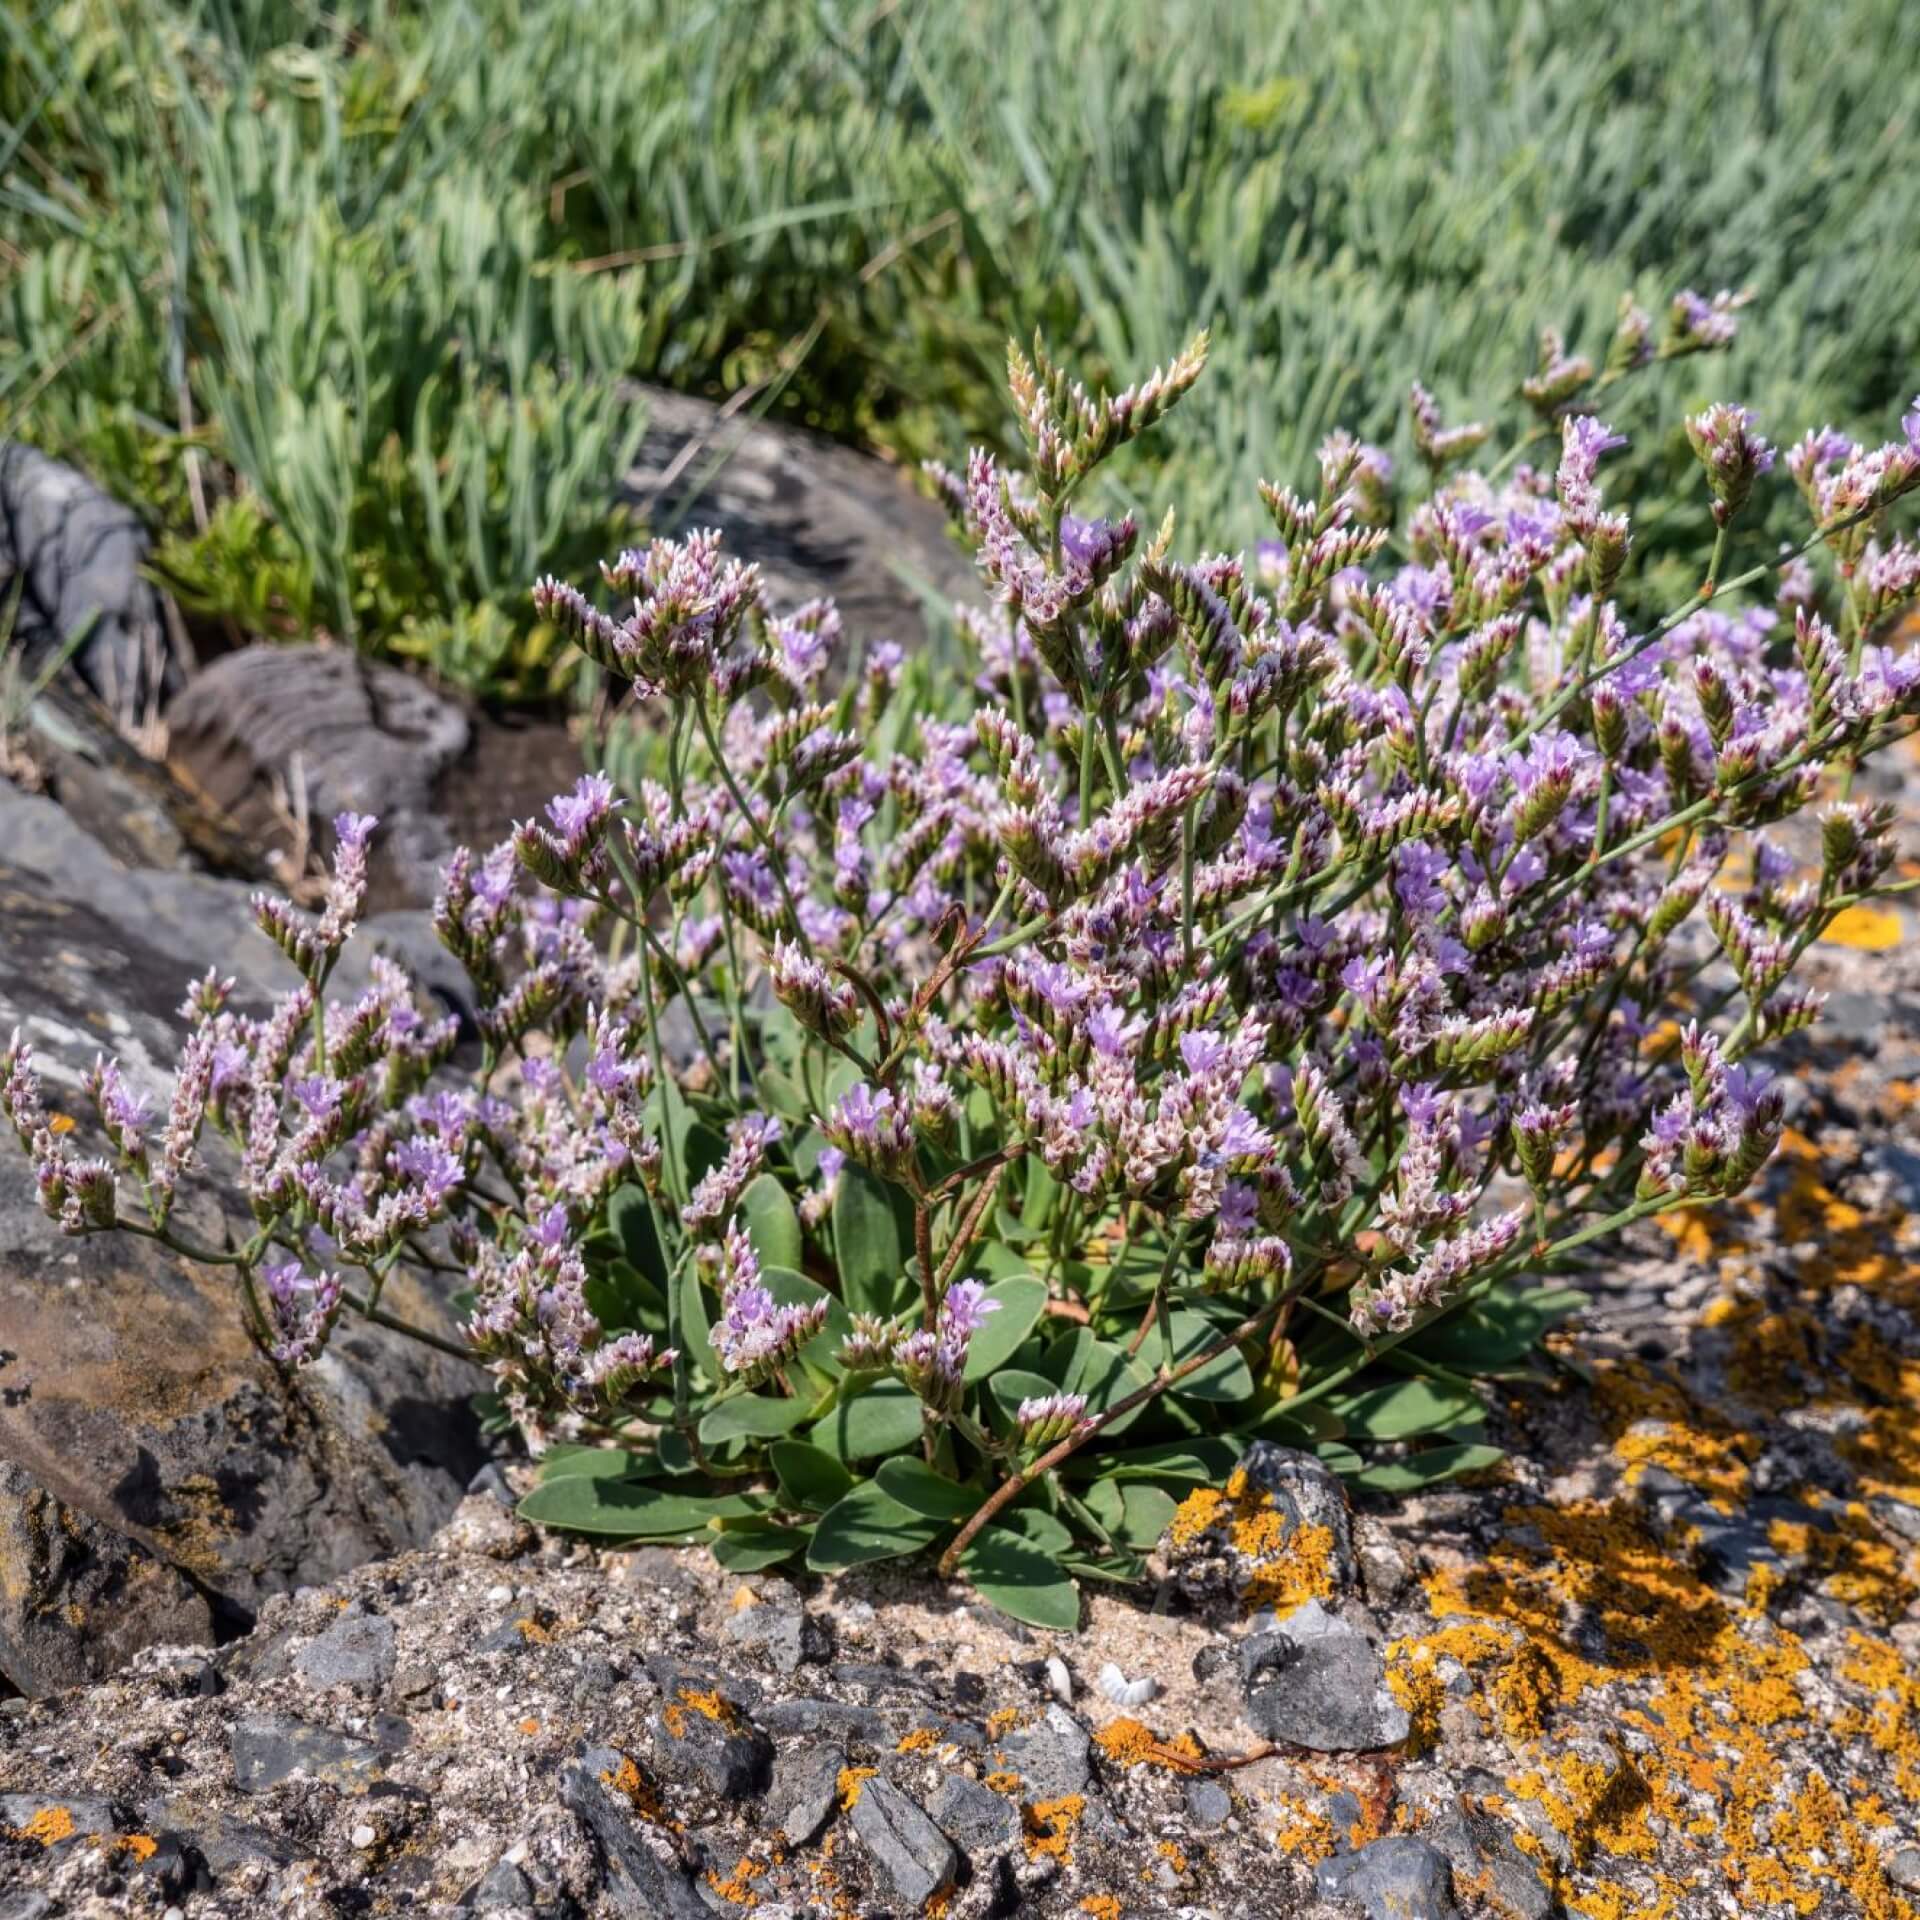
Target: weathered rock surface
x,y
74,556
194,1482
819,519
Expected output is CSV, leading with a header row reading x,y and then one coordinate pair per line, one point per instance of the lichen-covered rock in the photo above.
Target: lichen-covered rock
x,y
1277,1534
130,1396
914,1854
1397,1878
1317,1682
77,1598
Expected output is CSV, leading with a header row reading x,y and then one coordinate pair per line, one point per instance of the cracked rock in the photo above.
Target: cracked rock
x,y
916,1856
645,1879
356,1651
1398,1878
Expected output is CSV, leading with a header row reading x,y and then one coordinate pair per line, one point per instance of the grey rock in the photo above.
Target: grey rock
x,y
780,1630
25,1906
356,1651
914,1854
841,1719
703,1735
645,1879
352,734
86,1815
1325,1690
974,1816
223,1842
131,1395
1398,1878
1209,1804
1053,1757
815,517
1902,1867
1483,1853
805,1790
504,1886
274,1747
76,557
78,1599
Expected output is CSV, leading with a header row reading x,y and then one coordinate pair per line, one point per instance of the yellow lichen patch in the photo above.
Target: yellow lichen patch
x,y
1127,1742
1103,1906
708,1705
1599,1805
1002,1721
1863,927
1306,1834
850,1782
1517,1684
1003,1781
49,1826
1049,1827
636,1789
1288,1565
1172,1855
737,1886
920,1740
531,1630
142,1846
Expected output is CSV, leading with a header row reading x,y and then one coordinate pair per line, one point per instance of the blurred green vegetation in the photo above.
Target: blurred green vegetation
x,y
339,296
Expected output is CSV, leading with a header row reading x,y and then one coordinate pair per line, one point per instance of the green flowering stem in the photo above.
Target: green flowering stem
x,y
752,819
380,1317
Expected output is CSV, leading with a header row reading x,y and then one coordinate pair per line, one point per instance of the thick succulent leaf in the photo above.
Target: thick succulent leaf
x,y
625,1509
883,1417
751,1416
915,1484
810,1480
1426,1468
771,1223
1399,1408
1019,1304
868,1525
1010,1573
872,1234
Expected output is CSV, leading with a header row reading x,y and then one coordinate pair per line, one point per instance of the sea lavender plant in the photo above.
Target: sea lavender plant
x,y
901,1116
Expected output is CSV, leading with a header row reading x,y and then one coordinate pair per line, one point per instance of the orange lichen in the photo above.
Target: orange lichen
x,y
531,1630
1172,1855
1287,1564
636,1789
143,1846
1306,1834
1001,1721
1127,1742
851,1780
737,1887
709,1705
1103,1906
1049,1827
529,1727
920,1740
49,1826
1863,927
1003,1780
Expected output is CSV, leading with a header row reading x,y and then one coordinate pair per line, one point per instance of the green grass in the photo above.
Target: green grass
x,y
339,296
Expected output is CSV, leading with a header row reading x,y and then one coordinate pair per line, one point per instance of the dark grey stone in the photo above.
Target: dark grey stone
x,y
1902,1867
504,1886
368,739
1209,1804
913,1853
805,1790
25,1906
645,1878
1318,1683
221,1841
781,1631
274,1747
1484,1853
356,1651
77,1598
1398,1878
973,1816
816,518
1052,1757
76,556
721,1749
842,1719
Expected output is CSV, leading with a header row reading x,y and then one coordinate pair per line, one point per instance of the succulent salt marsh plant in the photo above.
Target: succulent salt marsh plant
x,y
917,1117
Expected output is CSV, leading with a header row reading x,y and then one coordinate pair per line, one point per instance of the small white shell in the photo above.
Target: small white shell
x,y
1122,1691
1059,1680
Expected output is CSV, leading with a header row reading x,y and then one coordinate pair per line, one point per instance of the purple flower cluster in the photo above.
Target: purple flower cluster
x,y
1238,927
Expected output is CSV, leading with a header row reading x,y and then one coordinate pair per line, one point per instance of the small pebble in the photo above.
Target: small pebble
x,y
363,1836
